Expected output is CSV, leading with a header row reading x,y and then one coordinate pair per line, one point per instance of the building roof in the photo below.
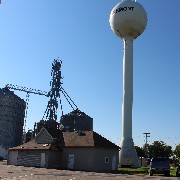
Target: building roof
x,y
74,113
32,145
55,133
86,139
6,92
69,139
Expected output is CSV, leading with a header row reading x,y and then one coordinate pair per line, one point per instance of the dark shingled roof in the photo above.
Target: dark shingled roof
x,y
87,139
70,139
32,145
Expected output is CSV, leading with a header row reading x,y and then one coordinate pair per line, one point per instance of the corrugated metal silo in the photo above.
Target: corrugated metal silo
x,y
12,112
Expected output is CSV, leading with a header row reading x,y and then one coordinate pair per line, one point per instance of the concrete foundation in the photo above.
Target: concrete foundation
x,y
127,154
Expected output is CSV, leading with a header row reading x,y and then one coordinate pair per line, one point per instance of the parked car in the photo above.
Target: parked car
x,y
1,158
159,165
178,171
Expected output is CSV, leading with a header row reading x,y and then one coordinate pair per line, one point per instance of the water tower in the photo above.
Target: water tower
x,y
128,20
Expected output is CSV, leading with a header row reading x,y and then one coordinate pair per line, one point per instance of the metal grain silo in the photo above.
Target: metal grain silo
x,y
77,121
12,112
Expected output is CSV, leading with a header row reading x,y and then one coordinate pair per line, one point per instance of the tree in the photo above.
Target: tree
x,y
177,151
146,150
159,149
140,151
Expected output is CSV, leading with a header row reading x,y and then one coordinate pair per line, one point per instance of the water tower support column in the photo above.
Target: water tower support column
x,y
128,154
127,88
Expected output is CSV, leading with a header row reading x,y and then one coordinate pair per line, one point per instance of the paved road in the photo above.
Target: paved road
x,y
20,172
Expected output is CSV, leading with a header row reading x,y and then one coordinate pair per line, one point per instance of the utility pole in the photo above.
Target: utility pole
x,y
146,151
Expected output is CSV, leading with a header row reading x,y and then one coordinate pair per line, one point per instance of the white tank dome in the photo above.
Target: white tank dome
x,y
128,19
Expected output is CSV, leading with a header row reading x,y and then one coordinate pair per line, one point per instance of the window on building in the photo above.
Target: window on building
x,y
106,159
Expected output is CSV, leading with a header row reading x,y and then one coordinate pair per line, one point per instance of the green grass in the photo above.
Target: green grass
x,y
173,172
143,171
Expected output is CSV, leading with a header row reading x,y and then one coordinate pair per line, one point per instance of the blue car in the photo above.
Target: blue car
x,y
159,165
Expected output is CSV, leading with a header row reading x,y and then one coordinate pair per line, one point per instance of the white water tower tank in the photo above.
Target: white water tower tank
x,y
128,18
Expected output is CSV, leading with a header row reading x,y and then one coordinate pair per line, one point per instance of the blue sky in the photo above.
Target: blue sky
x,y
34,33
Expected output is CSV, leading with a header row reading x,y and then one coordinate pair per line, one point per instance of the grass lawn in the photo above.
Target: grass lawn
x,y
143,171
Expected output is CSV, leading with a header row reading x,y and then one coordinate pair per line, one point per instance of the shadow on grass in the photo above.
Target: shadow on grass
x,y
143,171
132,171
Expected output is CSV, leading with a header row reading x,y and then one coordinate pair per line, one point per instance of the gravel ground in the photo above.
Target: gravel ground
x,y
20,172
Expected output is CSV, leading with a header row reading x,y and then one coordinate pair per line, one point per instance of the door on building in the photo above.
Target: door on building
x,y
43,161
114,162
13,157
71,161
